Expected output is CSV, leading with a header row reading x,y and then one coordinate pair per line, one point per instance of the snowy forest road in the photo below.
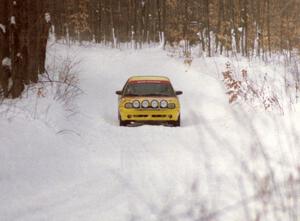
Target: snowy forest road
x,y
155,164
101,171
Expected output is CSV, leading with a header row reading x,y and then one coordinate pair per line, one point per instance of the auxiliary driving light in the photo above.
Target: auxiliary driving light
x,y
145,104
136,104
163,104
154,104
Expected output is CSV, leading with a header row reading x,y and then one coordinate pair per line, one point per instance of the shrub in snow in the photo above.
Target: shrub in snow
x,y
241,89
292,80
51,100
275,199
232,85
61,82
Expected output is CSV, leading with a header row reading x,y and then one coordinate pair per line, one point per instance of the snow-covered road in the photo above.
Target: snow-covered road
x,y
86,167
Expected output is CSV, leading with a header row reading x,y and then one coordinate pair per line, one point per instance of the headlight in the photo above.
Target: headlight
x,y
154,104
145,104
128,105
136,104
163,104
171,106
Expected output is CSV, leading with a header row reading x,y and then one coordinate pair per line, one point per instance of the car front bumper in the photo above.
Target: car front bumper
x,y
140,115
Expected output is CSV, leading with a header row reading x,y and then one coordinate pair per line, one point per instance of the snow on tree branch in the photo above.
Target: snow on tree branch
x,y
47,17
3,28
6,62
13,20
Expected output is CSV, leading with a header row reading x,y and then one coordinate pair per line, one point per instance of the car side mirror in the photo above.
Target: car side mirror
x,y
179,92
119,92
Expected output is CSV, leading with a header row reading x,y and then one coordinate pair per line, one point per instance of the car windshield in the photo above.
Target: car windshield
x,y
149,89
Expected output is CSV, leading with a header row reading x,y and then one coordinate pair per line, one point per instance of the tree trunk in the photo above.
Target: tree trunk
x,y
4,50
208,28
22,44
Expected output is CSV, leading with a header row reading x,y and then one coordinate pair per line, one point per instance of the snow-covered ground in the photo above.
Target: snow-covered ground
x,y
80,165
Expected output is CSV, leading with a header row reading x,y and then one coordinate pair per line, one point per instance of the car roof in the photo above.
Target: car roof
x,y
148,78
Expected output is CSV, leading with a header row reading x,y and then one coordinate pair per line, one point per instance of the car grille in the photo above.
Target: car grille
x,y
140,115
159,115
145,116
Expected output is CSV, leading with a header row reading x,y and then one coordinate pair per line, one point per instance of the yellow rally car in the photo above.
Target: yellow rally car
x,y
149,99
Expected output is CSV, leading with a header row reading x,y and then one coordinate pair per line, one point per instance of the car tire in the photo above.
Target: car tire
x,y
177,123
122,123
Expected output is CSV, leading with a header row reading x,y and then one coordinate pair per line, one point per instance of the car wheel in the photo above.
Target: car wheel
x,y
122,123
177,123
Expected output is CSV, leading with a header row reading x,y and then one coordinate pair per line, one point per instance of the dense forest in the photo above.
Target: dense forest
x,y
249,27
244,26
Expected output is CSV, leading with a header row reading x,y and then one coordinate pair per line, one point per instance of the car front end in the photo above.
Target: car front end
x,y
149,109
149,100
